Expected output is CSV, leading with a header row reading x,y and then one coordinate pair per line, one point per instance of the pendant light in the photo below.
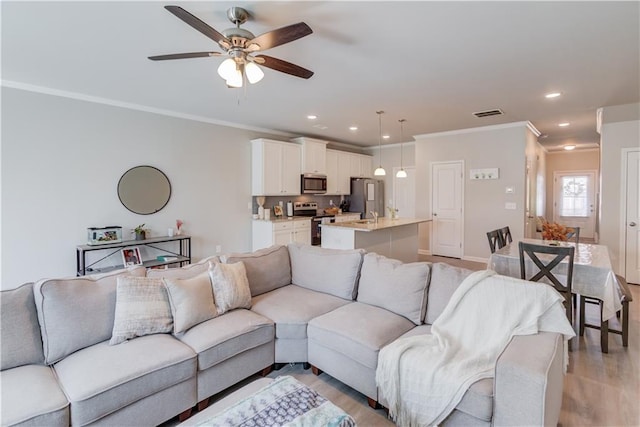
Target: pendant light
x,y
380,170
401,173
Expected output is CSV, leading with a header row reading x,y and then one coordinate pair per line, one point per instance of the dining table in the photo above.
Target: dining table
x,y
593,275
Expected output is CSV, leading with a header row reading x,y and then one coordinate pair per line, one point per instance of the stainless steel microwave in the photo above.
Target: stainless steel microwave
x,y
311,183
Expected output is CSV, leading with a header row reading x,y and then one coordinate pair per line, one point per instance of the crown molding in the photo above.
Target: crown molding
x,y
526,124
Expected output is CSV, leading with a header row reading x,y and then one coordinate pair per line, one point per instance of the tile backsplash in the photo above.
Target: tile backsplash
x,y
322,201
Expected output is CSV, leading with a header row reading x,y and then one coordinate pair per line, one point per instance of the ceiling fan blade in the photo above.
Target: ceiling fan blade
x,y
199,25
280,36
184,55
284,66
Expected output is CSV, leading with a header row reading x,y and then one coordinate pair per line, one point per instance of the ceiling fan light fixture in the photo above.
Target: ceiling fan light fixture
x,y
236,78
227,69
253,72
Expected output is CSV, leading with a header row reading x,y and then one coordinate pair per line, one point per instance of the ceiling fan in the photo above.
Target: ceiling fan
x,y
240,45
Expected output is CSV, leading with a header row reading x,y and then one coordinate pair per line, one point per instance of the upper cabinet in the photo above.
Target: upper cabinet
x,y
341,166
314,155
360,165
276,168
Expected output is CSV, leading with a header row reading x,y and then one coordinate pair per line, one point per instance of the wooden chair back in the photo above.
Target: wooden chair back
x,y
505,235
575,235
495,240
546,268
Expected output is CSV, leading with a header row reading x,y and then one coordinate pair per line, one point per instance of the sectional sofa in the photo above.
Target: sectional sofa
x,y
333,310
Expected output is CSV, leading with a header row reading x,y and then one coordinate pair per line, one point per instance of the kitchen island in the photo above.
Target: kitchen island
x,y
394,238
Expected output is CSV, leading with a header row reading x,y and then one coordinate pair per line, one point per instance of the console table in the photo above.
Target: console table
x,y
181,256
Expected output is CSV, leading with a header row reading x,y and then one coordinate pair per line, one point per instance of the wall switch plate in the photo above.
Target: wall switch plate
x,y
510,205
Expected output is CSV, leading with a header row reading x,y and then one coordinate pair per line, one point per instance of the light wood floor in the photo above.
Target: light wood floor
x,y
599,389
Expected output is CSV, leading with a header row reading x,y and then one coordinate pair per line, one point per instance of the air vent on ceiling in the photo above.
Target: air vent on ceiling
x,y
487,113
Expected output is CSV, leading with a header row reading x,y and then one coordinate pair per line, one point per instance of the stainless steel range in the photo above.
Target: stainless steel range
x,y
310,209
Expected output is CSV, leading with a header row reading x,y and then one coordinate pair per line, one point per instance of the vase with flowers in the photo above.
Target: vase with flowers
x,y
179,224
555,232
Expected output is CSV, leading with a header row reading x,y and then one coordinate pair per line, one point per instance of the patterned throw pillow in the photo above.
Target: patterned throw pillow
x,y
142,308
191,301
230,286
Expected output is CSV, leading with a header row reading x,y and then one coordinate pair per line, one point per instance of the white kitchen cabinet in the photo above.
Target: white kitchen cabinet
x,y
314,155
332,172
344,172
360,165
268,233
275,167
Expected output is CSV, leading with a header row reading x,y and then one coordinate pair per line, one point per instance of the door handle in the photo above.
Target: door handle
x,y
435,214
632,224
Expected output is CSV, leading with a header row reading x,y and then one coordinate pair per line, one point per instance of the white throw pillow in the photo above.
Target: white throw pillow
x,y
142,308
230,286
191,301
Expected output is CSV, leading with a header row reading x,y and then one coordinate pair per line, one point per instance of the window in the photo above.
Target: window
x,y
574,196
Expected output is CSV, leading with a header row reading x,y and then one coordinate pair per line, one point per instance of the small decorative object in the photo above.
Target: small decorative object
x,y
170,231
131,256
140,232
104,235
260,200
392,212
555,232
179,223
277,211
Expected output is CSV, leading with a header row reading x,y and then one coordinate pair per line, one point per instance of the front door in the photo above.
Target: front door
x,y
632,218
446,202
574,200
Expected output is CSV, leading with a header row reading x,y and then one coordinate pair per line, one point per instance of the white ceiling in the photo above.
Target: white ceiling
x,y
432,63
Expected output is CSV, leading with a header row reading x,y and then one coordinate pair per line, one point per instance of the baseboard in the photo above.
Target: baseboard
x,y
475,259
424,252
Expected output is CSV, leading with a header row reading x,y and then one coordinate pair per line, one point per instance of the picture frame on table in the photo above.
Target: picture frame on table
x,y
131,256
277,210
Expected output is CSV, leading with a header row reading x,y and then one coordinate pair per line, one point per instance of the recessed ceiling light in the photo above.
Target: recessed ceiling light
x,y
385,137
353,128
564,124
553,95
312,117
569,147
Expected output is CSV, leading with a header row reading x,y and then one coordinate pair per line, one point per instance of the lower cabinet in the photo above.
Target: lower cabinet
x,y
283,232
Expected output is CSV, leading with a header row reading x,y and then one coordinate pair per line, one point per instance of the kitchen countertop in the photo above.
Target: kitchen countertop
x,y
383,223
285,219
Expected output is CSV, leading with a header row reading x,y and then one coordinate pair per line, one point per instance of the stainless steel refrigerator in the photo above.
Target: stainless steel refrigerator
x,y
367,195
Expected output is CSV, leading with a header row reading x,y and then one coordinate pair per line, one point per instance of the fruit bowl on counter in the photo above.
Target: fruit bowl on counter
x,y
331,211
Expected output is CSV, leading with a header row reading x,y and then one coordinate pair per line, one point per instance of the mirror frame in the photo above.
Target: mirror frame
x,y
160,178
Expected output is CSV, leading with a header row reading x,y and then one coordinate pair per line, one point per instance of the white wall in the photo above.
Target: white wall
x,y
500,147
61,162
391,159
620,129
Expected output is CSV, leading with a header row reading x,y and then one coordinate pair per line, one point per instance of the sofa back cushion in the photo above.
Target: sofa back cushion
x,y
187,272
445,279
77,312
394,286
267,269
20,340
332,271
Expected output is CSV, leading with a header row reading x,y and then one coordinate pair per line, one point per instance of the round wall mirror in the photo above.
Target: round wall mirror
x,y
144,190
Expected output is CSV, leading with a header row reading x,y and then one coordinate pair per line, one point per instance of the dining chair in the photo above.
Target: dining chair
x,y
625,298
546,268
505,235
575,235
495,240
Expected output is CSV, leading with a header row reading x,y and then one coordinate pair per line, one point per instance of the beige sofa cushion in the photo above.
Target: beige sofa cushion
x,y
230,286
267,269
191,301
394,286
186,272
20,340
332,271
142,308
77,312
445,279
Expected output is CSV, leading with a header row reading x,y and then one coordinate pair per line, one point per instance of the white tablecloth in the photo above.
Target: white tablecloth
x,y
592,272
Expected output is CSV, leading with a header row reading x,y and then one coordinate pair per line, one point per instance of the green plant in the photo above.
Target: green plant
x,y
139,229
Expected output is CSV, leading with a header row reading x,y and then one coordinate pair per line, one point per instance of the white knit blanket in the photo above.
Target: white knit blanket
x,y
424,377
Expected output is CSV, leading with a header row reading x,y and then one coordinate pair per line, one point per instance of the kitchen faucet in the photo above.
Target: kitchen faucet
x,y
375,216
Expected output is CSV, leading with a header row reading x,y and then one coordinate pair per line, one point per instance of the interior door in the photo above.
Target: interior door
x,y
632,218
574,200
446,202
404,193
